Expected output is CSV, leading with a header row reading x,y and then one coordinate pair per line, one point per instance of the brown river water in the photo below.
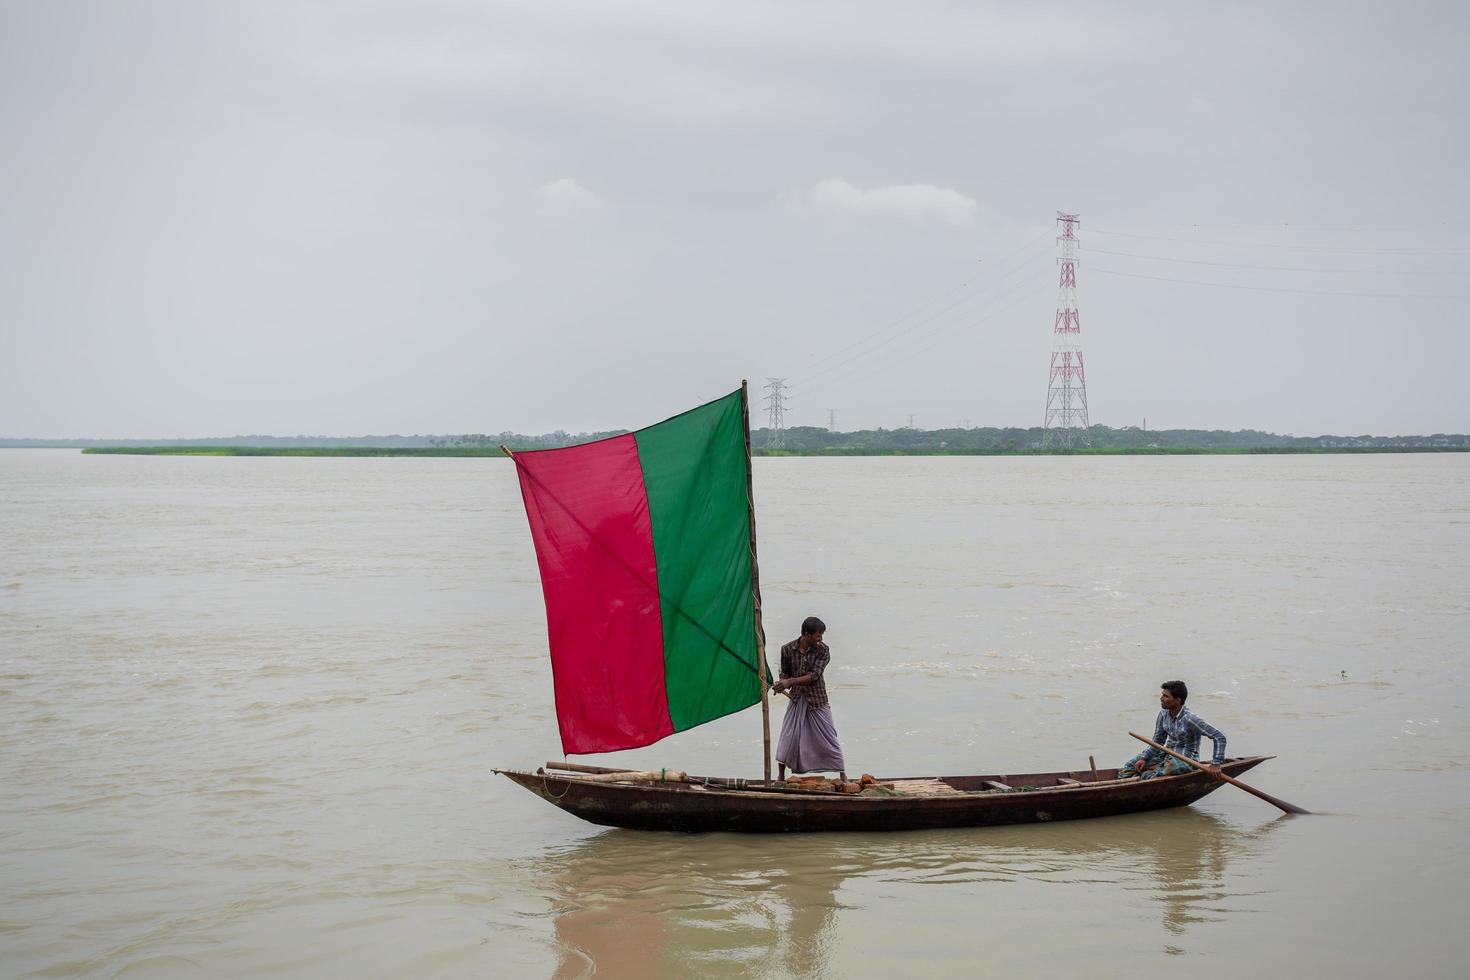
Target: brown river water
x,y
249,709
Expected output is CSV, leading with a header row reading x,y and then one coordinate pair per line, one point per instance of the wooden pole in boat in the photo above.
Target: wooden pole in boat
x,y
755,587
1092,761
1288,807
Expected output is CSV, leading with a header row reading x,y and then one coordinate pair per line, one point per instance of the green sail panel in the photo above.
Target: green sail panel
x,y
695,470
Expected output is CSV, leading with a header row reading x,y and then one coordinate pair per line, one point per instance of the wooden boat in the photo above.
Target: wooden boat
x,y
706,804
647,549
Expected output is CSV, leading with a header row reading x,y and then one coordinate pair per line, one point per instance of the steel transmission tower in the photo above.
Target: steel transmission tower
x,y
1066,393
776,413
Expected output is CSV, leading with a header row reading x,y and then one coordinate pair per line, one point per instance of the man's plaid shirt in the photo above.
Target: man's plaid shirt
x,y
795,663
1182,734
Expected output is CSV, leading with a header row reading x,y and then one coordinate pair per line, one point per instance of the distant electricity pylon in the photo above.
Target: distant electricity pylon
x,y
831,420
776,413
911,420
1066,394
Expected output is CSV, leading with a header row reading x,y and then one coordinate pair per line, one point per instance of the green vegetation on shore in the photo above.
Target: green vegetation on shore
x,y
482,451
1119,451
799,441
293,451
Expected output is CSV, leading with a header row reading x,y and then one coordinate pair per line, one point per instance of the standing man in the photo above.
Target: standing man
x,y
1179,729
808,737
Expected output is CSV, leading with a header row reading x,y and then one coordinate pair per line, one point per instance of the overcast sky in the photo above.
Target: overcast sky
x,y
337,219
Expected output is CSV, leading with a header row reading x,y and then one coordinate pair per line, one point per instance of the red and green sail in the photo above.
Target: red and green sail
x,y
644,546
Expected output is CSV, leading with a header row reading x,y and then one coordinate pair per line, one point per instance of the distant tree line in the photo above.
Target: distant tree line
x,y
809,439
475,440
514,440
813,439
378,442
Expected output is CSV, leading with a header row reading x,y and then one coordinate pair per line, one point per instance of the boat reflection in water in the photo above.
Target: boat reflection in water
x,y
634,904
669,905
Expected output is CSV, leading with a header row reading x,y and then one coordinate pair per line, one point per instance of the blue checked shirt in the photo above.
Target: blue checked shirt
x,y
1182,734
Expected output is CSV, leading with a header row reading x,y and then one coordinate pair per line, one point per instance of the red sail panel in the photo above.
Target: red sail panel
x,y
588,511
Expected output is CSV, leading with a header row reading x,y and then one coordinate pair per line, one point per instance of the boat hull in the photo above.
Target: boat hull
x,y
1031,798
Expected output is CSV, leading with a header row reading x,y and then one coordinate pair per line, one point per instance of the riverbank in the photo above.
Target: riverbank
x,y
844,451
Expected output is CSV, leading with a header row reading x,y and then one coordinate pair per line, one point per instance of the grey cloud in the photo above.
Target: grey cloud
x,y
904,202
330,217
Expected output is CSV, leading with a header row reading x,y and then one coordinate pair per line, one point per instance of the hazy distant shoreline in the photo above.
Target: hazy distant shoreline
x,y
795,441
492,452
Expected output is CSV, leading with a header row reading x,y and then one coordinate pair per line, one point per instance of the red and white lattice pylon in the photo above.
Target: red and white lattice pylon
x,y
1066,394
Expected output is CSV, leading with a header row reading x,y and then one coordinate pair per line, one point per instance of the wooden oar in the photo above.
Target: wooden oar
x,y
1288,807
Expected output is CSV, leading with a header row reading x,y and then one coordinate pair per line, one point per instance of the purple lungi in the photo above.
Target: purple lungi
x,y
809,739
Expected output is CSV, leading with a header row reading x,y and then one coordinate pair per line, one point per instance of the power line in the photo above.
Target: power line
x,y
941,334
852,352
950,292
1281,268
1278,225
1278,289
943,337
1456,250
842,362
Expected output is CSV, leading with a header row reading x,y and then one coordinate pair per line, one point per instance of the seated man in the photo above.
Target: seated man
x,y
1179,729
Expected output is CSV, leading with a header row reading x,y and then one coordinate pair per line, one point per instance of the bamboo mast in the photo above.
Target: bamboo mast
x,y
755,588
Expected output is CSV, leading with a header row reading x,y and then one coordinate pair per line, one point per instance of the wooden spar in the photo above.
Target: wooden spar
x,y
579,767
1282,804
719,782
651,776
1092,761
755,587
